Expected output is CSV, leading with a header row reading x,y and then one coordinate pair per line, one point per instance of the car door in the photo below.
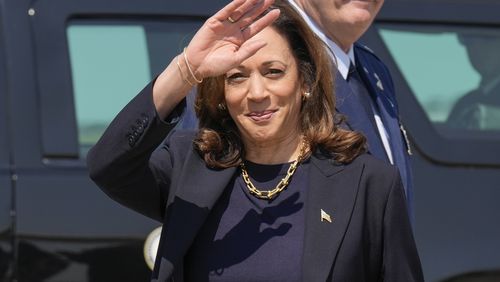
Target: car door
x,y
6,180
72,65
437,52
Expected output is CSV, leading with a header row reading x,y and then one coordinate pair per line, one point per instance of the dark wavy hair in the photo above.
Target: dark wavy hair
x,y
218,140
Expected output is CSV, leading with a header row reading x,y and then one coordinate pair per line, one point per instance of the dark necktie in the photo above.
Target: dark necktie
x,y
361,93
387,112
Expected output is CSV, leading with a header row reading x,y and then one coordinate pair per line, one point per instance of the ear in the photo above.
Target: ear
x,y
305,91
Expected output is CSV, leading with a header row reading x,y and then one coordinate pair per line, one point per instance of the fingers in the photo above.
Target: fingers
x,y
234,9
260,24
232,27
248,49
260,7
242,12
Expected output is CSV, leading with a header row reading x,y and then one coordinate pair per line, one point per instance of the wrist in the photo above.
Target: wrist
x,y
193,73
183,69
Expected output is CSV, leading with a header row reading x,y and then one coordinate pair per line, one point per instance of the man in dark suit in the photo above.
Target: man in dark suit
x,y
364,88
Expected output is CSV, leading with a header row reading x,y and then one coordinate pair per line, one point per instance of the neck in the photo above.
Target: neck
x,y
344,35
284,151
345,45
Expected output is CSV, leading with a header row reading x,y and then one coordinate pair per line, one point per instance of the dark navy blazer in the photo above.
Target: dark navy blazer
x,y
379,83
369,238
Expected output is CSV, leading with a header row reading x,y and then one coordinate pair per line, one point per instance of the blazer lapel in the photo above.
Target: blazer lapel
x,y
378,86
191,205
382,89
332,190
357,117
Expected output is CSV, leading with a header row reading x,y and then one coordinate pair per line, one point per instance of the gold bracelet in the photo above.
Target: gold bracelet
x,y
182,75
189,67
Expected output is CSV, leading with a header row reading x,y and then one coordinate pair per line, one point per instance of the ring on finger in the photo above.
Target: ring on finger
x,y
231,20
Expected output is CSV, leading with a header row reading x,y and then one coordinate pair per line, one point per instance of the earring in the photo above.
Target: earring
x,y
307,95
221,107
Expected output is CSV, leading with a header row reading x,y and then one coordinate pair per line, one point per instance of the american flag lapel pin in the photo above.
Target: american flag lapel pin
x,y
325,216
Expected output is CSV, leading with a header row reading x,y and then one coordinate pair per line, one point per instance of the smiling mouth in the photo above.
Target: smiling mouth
x,y
366,1
261,116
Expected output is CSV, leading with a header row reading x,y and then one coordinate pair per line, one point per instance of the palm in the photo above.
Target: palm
x,y
220,45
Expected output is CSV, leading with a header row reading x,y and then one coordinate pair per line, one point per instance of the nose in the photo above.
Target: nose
x,y
257,88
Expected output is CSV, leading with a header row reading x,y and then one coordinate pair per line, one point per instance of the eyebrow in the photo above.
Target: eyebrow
x,y
266,63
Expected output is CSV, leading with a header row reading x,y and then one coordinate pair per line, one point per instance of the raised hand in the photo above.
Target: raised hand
x,y
223,42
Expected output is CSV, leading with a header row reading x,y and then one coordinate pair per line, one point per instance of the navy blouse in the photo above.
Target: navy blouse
x,y
251,239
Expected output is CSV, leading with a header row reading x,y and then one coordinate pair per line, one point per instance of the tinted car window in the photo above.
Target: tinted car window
x,y
454,73
112,61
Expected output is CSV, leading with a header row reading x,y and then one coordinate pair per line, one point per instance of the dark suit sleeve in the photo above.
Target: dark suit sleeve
x,y
400,257
119,162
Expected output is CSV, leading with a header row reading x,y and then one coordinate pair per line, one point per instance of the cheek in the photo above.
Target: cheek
x,y
298,104
230,96
293,100
234,103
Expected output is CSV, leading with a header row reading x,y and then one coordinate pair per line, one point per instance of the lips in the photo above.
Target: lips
x,y
261,115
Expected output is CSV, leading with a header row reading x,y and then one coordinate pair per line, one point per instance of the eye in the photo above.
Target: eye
x,y
235,77
273,72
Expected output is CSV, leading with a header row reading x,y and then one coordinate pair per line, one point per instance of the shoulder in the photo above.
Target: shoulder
x,y
374,164
473,96
176,146
365,53
181,138
367,57
374,66
379,185
365,164
377,173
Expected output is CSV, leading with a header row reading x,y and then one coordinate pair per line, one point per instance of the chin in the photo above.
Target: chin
x,y
361,18
261,136
362,15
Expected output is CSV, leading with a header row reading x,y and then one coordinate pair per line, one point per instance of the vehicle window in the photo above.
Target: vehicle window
x,y
111,62
454,73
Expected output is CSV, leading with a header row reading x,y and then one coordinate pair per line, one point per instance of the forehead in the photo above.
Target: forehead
x,y
277,45
325,7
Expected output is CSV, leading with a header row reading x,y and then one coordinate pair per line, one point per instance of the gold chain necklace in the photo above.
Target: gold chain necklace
x,y
270,194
